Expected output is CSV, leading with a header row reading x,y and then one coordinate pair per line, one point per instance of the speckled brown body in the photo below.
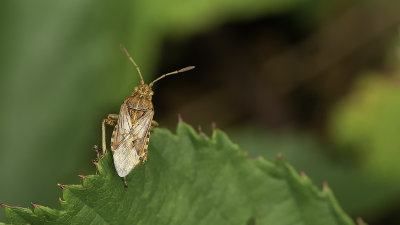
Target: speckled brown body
x,y
130,138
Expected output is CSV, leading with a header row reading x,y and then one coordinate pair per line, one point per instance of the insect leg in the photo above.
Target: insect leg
x,y
125,183
110,121
154,124
113,116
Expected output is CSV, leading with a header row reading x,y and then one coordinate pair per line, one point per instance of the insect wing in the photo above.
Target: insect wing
x,y
129,147
122,129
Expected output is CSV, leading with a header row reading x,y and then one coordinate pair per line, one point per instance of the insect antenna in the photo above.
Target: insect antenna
x,y
175,72
133,61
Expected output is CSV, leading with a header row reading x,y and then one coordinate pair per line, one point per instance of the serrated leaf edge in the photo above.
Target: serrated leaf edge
x,y
218,138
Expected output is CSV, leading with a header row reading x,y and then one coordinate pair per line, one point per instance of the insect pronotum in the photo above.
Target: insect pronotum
x,y
130,138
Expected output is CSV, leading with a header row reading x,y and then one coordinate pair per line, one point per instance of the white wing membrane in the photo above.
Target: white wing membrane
x,y
124,124
126,155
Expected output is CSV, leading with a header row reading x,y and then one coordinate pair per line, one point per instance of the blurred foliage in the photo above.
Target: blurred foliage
x,y
367,125
191,179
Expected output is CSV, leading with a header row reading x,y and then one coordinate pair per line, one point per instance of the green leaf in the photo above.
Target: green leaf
x,y
190,179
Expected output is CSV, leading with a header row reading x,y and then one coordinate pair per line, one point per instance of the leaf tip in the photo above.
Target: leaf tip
x,y
213,126
62,186
325,185
180,120
279,157
200,130
34,205
360,221
82,176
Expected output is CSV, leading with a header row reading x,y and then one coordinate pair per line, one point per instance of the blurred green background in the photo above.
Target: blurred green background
x,y
318,81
